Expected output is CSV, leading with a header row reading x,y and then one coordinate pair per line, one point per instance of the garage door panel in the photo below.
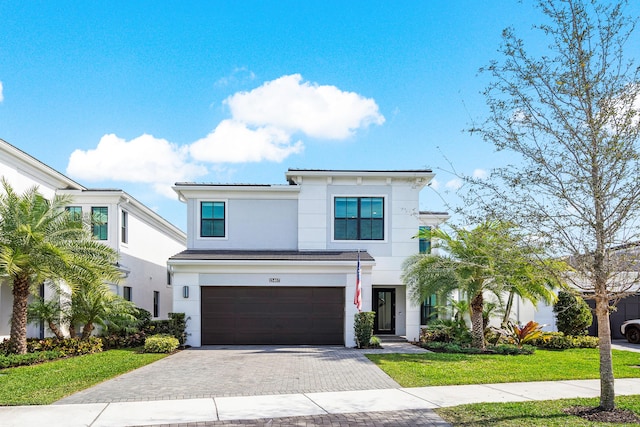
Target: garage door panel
x,y
272,315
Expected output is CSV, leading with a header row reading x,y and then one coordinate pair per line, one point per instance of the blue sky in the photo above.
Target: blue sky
x,y
138,95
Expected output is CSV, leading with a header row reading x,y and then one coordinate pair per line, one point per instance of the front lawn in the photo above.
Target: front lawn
x,y
431,369
525,414
47,382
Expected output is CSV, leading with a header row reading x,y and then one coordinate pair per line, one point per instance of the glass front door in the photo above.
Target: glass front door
x,y
384,304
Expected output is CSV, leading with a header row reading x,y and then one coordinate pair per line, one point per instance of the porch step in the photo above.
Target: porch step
x,y
391,338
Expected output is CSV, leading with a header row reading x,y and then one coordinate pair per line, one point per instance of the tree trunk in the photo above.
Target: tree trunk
x,y
18,338
507,311
56,331
86,331
607,391
477,323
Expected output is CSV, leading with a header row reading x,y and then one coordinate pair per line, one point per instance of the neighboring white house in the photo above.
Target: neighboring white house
x,y
143,239
276,264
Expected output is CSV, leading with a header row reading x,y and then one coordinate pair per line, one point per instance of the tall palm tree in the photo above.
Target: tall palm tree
x,y
490,258
40,242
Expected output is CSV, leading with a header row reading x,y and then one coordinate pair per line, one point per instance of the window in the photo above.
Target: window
x,y
156,303
75,213
168,277
126,293
124,227
428,310
425,244
99,223
358,218
212,219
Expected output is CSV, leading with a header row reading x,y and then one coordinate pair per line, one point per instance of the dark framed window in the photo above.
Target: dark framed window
x,y
124,227
126,293
169,277
212,219
428,310
75,213
156,303
99,222
358,218
425,244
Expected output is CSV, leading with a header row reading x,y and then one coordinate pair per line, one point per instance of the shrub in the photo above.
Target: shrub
x,y
67,346
560,341
363,327
127,340
161,343
445,331
374,342
527,333
573,315
503,349
13,360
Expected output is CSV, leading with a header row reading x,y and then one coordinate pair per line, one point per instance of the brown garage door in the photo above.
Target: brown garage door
x,y
272,315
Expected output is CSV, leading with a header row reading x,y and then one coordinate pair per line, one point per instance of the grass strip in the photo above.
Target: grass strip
x,y
525,414
432,369
45,383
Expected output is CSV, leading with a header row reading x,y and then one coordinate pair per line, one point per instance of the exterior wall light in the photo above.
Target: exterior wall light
x,y
185,292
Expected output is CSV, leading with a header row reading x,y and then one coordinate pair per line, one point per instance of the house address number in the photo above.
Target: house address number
x,y
274,280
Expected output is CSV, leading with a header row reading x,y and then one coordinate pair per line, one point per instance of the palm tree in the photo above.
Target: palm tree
x,y
490,258
41,243
50,312
93,303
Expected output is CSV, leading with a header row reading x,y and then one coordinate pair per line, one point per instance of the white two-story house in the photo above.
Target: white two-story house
x,y
143,239
276,264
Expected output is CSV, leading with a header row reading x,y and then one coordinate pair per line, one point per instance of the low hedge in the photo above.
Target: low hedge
x,y
505,349
40,350
560,341
161,343
13,360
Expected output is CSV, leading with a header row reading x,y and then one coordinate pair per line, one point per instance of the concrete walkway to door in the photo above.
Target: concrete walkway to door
x,y
216,371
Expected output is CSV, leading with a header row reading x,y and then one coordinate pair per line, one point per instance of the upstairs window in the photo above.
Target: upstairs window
x,y
425,244
75,213
358,218
99,222
124,227
212,219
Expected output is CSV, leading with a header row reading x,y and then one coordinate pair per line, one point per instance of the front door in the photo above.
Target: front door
x,y
384,304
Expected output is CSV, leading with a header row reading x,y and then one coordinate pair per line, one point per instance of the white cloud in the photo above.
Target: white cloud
x,y
262,127
1,92
238,75
454,184
296,106
480,174
144,159
233,142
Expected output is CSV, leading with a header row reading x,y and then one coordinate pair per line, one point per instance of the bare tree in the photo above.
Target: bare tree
x,y
571,116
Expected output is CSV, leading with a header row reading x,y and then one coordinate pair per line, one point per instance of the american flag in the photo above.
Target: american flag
x,y
357,299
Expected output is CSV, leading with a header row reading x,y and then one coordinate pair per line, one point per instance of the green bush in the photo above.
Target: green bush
x,y
503,349
374,342
126,340
445,331
560,341
161,343
13,360
363,327
573,315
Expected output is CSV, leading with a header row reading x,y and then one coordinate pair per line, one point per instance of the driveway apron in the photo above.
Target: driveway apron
x,y
215,371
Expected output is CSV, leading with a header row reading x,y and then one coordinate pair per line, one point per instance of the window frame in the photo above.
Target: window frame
x,y
200,203
156,303
124,227
72,211
105,224
359,219
127,290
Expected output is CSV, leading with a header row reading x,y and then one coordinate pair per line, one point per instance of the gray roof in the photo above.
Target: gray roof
x,y
239,255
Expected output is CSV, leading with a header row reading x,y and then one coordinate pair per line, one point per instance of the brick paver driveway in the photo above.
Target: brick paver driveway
x,y
215,371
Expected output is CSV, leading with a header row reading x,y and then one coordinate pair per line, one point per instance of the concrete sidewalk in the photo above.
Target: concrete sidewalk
x,y
210,411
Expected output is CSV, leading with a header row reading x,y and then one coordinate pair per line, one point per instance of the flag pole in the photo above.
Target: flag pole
x,y
357,299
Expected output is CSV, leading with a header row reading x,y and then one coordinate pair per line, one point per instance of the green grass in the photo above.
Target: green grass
x,y
430,369
47,382
545,413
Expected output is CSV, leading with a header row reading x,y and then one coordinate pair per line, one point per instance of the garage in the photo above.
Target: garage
x,y
626,309
272,315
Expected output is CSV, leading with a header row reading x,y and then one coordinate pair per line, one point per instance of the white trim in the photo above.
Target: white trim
x,y
386,228
199,220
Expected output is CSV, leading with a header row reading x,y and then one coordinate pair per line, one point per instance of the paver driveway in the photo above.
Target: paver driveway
x,y
215,371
